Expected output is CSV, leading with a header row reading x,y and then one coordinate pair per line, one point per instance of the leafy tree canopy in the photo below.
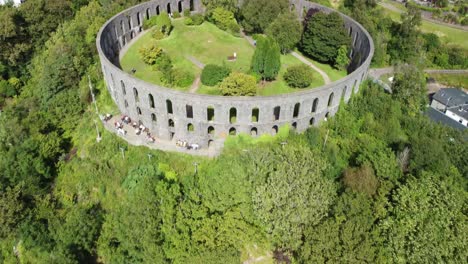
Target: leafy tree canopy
x,y
257,15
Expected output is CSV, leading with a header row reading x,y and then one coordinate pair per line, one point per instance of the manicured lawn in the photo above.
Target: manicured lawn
x,y
447,34
210,45
452,80
333,73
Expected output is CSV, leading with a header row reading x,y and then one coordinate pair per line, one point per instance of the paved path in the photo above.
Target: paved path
x,y
197,63
195,85
424,16
376,73
299,57
164,145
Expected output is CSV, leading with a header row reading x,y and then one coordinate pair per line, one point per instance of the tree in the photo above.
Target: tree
x,y
409,87
150,53
214,74
229,5
238,84
299,76
286,30
323,36
266,60
290,192
257,15
342,60
223,18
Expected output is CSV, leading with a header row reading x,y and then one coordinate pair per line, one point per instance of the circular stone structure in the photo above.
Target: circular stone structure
x,y
206,119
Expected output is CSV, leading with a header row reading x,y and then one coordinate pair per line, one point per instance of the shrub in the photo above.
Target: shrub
x,y
163,63
149,23
176,14
239,84
186,12
182,78
198,19
164,23
464,21
188,21
299,76
223,18
157,35
233,27
149,54
214,74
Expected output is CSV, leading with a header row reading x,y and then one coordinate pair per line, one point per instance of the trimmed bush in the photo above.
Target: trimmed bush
x,y
176,14
198,19
299,76
150,53
186,12
157,35
182,78
214,74
239,84
188,21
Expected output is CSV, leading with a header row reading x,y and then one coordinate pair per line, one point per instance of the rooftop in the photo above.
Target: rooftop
x,y
441,118
456,100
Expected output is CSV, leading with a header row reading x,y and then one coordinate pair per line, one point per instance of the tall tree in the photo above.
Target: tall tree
x,y
318,41
257,15
409,87
266,60
286,30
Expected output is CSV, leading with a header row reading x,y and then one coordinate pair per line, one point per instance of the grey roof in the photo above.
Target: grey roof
x,y
455,100
441,118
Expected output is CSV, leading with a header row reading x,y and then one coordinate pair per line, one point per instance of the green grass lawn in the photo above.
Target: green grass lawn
x,y
452,80
333,73
447,34
209,45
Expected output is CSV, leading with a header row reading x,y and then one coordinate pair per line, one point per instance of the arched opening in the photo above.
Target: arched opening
x,y
297,108
343,95
138,18
294,125
129,20
190,127
153,118
171,123
314,105
189,111
274,130
148,13
276,113
330,99
168,8
169,107
122,26
132,35
138,110
151,100
232,115
124,91
192,6
355,39
312,121
253,132
210,113
354,87
211,130
210,144
232,131
124,41
327,115
135,94
126,103
255,114
350,31
180,6
157,11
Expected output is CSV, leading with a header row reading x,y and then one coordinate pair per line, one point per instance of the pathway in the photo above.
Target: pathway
x,y
196,83
160,144
299,57
424,16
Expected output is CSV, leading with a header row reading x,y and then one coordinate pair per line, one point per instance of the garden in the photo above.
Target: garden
x,y
209,56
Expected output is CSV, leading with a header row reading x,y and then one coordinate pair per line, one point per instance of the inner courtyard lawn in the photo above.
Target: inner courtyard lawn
x,y
208,45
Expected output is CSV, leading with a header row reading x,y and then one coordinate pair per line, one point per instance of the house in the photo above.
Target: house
x,y
452,103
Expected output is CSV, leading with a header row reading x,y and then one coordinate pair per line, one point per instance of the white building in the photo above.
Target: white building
x,y
453,103
16,2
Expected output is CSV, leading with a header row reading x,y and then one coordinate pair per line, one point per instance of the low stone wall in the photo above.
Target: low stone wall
x,y
205,118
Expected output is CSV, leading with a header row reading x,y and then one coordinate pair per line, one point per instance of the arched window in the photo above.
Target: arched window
x,y
124,41
138,18
192,6
189,111
355,39
330,99
169,107
343,95
123,87
138,110
151,100
171,123
312,121
232,131
180,6
126,103
314,105
190,127
132,35
135,94
168,8
232,115
211,130
255,114
157,11
122,26
153,118
129,20
327,115
350,31
297,108
274,130
148,13
210,113
210,143
294,125
276,113
253,132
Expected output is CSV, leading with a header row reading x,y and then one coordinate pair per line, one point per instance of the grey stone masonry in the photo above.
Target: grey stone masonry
x,y
169,113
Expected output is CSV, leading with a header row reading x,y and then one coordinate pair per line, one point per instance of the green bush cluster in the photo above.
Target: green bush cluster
x,y
299,76
150,53
239,84
214,74
186,12
225,20
194,20
162,22
176,14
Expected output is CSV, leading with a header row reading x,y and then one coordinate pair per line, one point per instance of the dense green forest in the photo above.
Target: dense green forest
x,y
377,183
